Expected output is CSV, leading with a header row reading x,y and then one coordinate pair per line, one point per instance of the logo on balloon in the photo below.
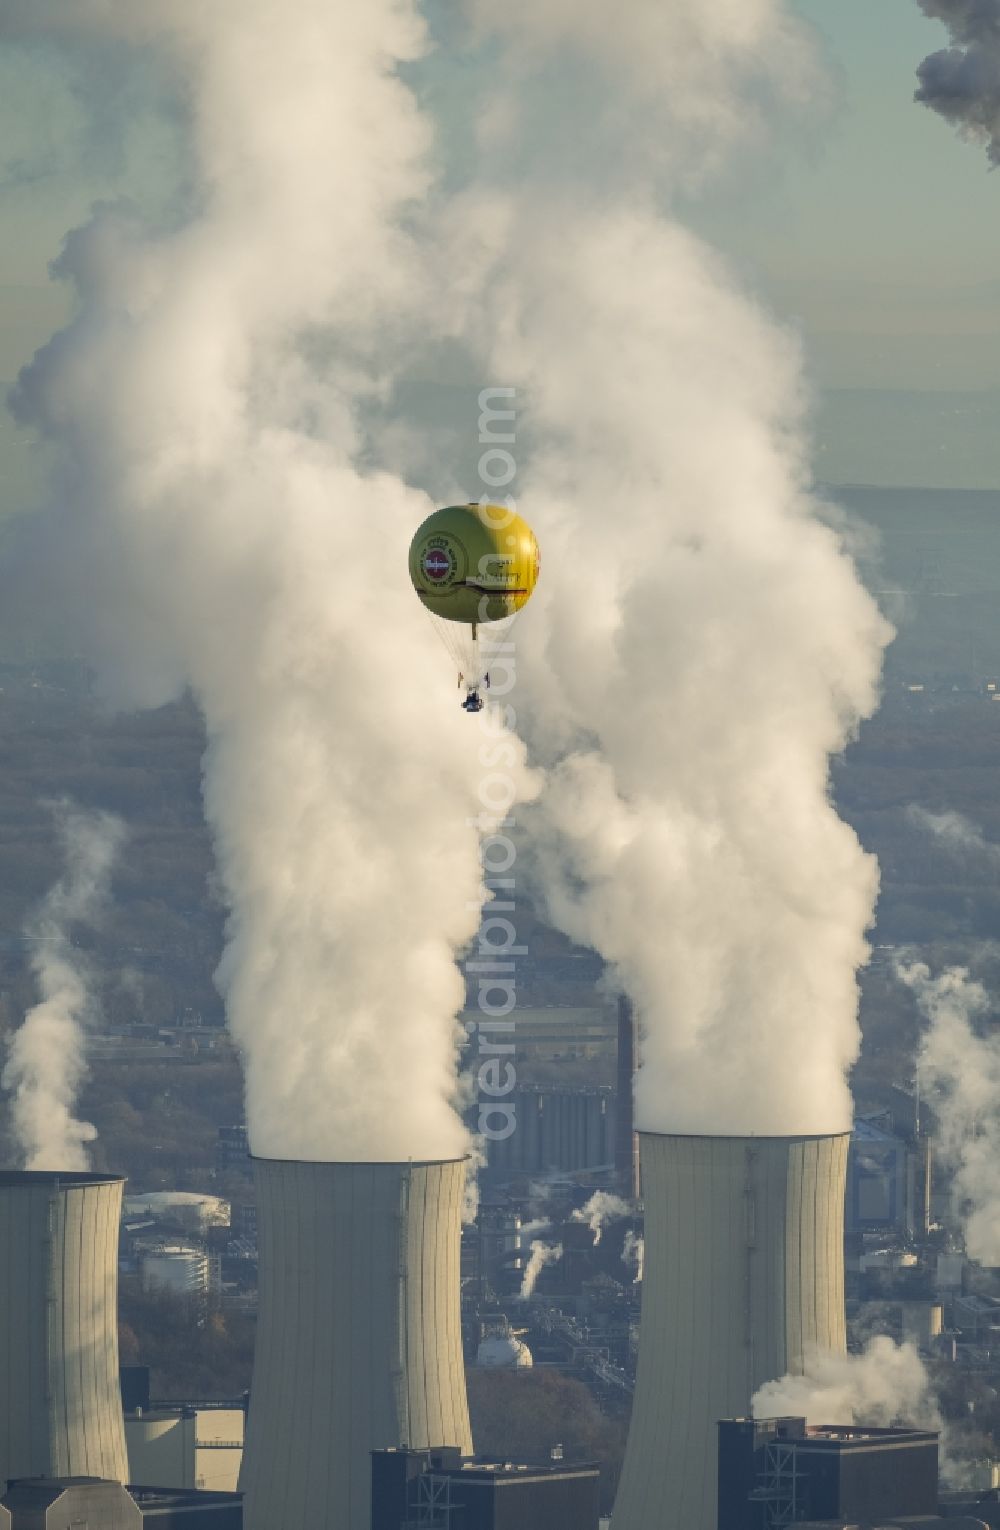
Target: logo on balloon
x,y
438,563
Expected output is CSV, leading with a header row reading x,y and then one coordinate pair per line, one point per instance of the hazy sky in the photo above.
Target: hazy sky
x,y
876,226
865,221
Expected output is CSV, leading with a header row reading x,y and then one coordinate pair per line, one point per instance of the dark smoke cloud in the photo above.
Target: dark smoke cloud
x,y
962,82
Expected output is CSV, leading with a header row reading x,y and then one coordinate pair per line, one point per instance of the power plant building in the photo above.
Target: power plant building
x,y
45,1504
560,1129
776,1472
888,1180
744,1274
190,1446
41,1503
358,1336
60,1407
440,1488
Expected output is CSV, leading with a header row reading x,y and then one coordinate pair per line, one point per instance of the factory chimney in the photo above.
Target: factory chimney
x,y
626,1136
744,1275
359,1341
60,1406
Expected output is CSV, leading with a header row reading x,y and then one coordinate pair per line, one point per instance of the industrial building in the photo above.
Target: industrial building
x,y
499,1243
177,1268
188,1446
744,1273
180,1509
441,1488
42,1503
60,1407
561,1129
557,1033
888,1180
776,1472
359,1342
232,1148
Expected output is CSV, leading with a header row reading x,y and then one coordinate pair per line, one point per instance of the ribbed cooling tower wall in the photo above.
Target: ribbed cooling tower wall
x,y
60,1401
358,1334
744,1273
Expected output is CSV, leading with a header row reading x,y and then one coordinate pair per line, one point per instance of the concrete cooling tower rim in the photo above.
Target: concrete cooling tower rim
x,y
745,1137
72,1179
361,1163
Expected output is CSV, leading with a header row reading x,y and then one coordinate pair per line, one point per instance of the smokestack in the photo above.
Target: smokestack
x,y
626,1136
60,1405
744,1274
358,1334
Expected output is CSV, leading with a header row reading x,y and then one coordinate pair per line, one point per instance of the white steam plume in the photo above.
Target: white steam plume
x,y
955,833
962,83
541,1255
959,1071
885,1385
602,1208
708,69
634,1254
203,403
707,643
537,1224
46,1058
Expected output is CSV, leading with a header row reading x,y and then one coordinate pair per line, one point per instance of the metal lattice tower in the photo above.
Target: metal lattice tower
x,y
779,1486
434,1504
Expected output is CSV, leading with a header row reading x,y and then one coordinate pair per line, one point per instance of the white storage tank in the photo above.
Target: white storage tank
x,y
504,1353
192,1211
179,1270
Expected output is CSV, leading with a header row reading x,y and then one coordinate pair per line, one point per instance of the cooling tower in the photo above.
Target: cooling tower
x,y
60,1404
744,1274
358,1334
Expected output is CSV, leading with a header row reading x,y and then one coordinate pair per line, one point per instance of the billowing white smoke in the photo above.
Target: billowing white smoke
x,y
706,645
602,1208
634,1254
46,1058
885,1385
541,1255
203,406
959,1071
962,82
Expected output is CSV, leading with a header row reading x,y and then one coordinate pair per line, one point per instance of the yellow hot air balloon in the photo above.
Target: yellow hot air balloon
x,y
474,568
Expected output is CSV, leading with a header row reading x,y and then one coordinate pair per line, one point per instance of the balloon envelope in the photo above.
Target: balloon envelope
x,y
474,563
